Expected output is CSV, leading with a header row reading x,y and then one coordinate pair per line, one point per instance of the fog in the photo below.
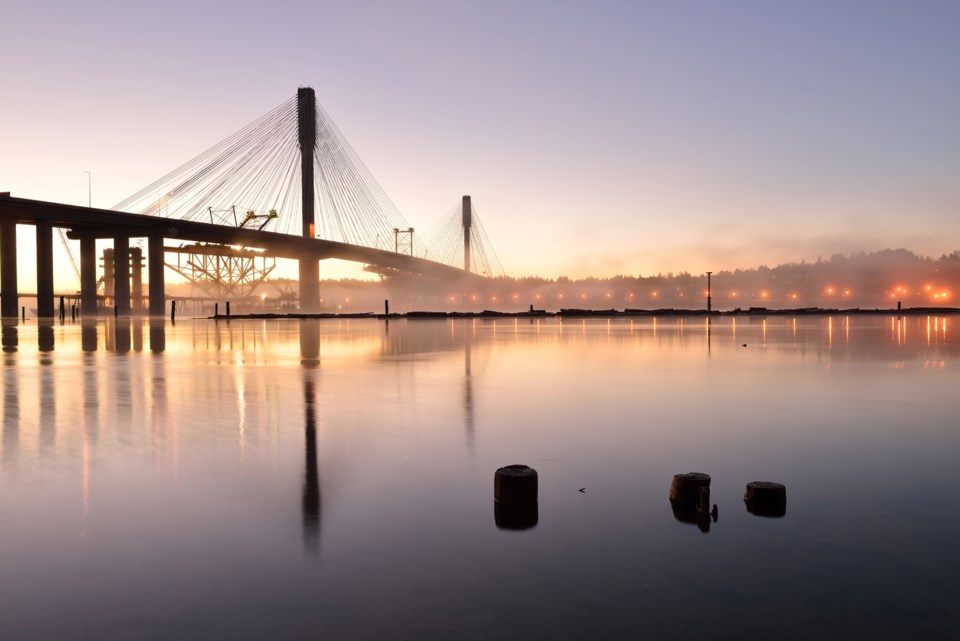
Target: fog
x,y
862,280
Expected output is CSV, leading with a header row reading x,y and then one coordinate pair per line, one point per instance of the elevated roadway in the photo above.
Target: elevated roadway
x,y
87,224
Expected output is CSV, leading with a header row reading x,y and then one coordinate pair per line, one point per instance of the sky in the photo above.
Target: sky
x,y
595,138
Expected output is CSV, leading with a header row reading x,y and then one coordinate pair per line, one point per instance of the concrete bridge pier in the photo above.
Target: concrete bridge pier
x,y
88,276
44,268
136,273
309,285
156,292
9,301
121,275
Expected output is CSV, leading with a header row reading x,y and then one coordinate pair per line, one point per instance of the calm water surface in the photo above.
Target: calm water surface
x,y
334,479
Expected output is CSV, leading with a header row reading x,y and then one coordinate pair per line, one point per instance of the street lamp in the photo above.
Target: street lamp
x,y
708,293
89,187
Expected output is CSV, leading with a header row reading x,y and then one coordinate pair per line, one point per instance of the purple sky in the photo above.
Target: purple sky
x,y
595,137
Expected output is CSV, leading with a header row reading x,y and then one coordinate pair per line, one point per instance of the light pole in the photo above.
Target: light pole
x,y
89,187
709,301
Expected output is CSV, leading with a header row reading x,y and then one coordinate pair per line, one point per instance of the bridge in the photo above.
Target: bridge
x,y
293,160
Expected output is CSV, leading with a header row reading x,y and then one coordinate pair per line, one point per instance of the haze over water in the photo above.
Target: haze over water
x,y
333,478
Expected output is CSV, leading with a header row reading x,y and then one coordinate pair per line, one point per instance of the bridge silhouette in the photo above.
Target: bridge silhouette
x,y
280,170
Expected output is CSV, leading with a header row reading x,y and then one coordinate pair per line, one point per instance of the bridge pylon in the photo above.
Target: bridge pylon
x,y
307,137
467,224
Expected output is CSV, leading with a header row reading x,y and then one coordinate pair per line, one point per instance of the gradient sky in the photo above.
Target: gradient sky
x,y
596,138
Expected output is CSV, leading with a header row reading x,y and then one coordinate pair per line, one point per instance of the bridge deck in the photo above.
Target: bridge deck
x,y
107,223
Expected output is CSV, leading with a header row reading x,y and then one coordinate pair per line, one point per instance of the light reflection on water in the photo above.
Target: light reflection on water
x,y
293,479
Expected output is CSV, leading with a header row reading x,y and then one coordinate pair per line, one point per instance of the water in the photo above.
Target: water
x,y
334,479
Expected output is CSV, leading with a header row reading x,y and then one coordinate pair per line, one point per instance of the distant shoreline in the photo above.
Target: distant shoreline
x,y
611,313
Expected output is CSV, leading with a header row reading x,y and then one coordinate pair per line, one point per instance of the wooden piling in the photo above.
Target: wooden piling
x,y
703,500
684,487
766,498
515,484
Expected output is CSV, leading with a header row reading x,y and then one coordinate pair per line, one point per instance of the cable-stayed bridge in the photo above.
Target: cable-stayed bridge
x,y
286,186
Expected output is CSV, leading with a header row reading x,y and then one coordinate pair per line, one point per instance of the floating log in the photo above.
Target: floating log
x,y
515,484
685,487
766,498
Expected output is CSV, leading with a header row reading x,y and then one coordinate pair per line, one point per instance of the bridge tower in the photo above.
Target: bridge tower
x,y
307,137
467,225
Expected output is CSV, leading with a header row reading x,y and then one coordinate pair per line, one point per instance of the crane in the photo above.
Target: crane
x,y
73,259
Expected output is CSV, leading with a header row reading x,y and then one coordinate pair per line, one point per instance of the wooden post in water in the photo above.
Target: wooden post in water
x,y
684,487
703,500
515,497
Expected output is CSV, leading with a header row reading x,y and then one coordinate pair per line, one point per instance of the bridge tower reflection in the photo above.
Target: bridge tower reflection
x,y
311,475
310,359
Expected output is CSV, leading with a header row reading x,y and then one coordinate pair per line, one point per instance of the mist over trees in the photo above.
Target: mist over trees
x,y
866,280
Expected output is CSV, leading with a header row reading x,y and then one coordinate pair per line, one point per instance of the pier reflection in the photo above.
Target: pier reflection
x,y
10,339
468,409
687,513
137,327
45,337
47,402
88,334
121,335
90,426
11,411
310,342
158,335
311,475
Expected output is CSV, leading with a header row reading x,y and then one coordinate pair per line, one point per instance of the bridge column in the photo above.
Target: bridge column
x,y
121,274
155,274
44,269
467,224
9,305
309,285
307,138
88,276
136,276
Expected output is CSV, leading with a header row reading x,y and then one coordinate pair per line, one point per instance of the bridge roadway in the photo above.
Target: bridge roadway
x,y
88,224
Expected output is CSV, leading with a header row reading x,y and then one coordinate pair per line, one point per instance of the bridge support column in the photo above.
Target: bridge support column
x,y
136,276
155,274
121,275
88,276
44,269
467,225
309,285
9,302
